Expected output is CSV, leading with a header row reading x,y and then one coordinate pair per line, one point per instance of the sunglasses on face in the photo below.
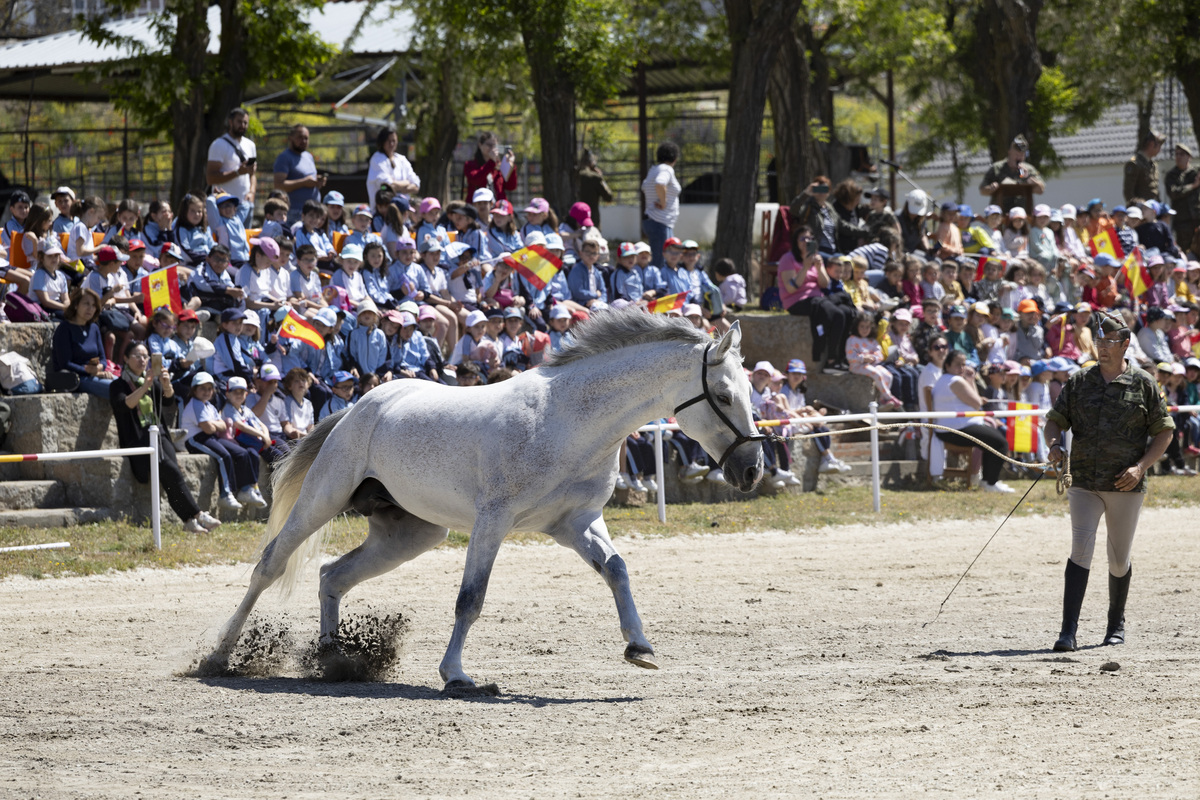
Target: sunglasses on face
x,y
938,347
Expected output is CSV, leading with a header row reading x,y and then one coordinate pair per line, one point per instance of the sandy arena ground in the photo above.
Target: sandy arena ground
x,y
793,664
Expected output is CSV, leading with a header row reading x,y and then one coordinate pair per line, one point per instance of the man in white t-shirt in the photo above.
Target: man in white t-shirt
x,y
232,160
661,190
929,375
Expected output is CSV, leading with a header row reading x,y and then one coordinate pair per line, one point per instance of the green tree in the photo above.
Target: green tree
x,y
173,86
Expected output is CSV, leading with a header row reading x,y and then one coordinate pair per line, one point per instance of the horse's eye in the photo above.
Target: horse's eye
x,y
724,400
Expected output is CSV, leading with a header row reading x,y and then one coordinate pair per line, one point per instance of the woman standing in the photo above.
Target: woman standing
x,y
661,189
955,391
487,171
389,168
137,402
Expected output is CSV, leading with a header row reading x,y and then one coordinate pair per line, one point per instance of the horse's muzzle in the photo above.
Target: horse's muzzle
x,y
744,467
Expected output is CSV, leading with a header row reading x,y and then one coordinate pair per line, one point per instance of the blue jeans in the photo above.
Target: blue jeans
x,y
30,386
656,234
95,386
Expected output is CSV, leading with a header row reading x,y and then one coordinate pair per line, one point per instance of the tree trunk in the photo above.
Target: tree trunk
x,y
1145,108
756,31
189,141
822,77
1005,67
230,90
554,98
440,127
798,156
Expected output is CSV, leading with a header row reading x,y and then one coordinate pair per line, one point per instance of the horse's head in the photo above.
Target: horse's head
x,y
720,417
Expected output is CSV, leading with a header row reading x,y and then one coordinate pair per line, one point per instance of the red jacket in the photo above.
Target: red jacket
x,y
488,176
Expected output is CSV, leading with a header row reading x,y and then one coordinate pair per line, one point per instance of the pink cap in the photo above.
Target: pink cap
x,y
582,213
429,204
538,205
269,246
426,312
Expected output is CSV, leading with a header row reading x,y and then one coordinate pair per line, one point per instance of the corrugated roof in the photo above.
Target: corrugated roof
x,y
384,33
1109,141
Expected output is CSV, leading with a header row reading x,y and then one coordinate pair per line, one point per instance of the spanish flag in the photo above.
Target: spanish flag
x,y
1135,274
535,263
297,327
1106,241
1022,431
161,290
983,261
661,305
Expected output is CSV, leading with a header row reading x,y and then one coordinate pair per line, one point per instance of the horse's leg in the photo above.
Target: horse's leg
x,y
587,534
312,510
486,537
393,538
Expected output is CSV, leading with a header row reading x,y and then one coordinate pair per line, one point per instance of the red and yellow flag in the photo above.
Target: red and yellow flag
x,y
1022,431
535,263
297,327
1135,274
161,290
983,262
1105,241
661,305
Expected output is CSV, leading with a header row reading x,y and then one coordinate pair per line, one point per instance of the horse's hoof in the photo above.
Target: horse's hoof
x,y
467,688
641,656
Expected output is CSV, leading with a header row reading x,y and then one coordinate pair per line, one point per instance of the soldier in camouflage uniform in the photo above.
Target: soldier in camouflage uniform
x,y
1141,171
1183,190
1112,408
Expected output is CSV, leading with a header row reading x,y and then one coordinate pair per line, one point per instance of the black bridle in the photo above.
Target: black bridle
x,y
742,438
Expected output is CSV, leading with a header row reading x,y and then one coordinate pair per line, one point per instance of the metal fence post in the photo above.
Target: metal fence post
x,y
155,516
874,407
660,472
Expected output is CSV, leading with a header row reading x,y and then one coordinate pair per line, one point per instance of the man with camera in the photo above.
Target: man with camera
x,y
232,158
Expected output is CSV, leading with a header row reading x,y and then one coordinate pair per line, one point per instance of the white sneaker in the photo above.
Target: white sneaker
x,y
715,476
636,484
257,498
842,465
203,315
193,526
622,481
793,481
229,502
652,485
998,488
828,464
694,471
250,497
777,480
207,520
784,474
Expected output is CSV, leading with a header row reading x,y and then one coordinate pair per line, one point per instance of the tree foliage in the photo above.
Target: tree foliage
x,y
172,84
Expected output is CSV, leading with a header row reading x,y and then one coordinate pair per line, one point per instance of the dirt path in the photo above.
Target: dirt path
x,y
792,664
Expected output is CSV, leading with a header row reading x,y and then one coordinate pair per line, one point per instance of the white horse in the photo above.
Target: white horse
x,y
538,452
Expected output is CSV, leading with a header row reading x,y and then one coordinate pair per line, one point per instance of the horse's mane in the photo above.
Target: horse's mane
x,y
615,330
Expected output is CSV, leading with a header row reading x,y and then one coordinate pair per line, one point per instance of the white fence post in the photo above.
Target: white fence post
x,y
155,516
874,407
661,494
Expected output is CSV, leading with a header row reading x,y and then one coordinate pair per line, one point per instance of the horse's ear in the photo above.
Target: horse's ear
x,y
730,341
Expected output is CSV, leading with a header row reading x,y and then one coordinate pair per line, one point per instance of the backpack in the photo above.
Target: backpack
x,y
20,308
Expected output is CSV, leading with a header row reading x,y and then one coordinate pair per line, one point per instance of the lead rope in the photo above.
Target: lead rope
x,y
1062,483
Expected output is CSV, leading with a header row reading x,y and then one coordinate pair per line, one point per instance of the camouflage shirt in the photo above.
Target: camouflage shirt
x,y
1111,423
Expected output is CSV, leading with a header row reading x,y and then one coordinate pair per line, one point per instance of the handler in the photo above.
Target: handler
x,y
1112,407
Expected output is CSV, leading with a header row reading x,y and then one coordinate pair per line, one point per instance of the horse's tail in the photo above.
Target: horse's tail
x,y
287,481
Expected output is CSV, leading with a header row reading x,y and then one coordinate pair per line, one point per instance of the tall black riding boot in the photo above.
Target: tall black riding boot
x,y
1076,586
1118,591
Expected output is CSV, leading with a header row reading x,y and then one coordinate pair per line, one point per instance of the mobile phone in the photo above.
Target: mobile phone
x,y
252,161
155,363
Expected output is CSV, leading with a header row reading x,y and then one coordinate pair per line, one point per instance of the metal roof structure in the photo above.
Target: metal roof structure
x,y
1109,141
48,68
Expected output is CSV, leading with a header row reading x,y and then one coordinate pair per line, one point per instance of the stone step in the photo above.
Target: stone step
x,y
17,495
52,517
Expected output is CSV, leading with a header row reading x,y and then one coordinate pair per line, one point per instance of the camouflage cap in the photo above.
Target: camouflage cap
x,y
1112,322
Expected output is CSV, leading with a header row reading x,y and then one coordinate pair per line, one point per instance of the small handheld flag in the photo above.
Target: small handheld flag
x,y
296,327
1135,274
661,305
1022,431
161,290
536,264
983,262
1106,241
